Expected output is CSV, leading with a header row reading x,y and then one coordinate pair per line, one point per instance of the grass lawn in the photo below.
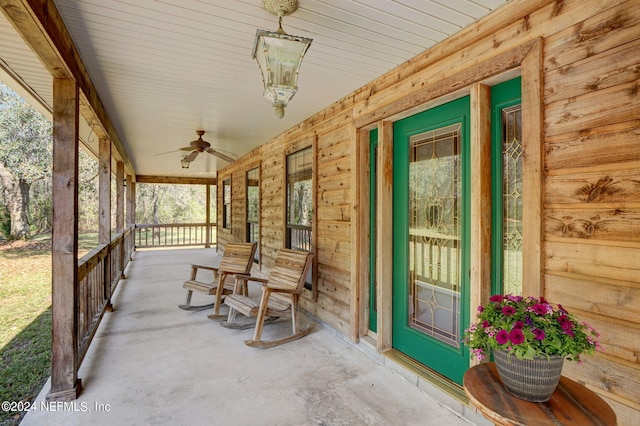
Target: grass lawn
x,y
25,319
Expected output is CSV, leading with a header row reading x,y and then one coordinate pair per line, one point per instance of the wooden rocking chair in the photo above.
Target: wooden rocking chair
x,y
236,259
280,294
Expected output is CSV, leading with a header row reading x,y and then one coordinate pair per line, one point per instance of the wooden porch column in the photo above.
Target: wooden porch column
x,y
130,213
120,214
384,246
104,202
480,285
207,242
131,208
361,241
65,384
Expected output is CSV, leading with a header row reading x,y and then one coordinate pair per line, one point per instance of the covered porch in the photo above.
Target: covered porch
x,y
572,69
152,363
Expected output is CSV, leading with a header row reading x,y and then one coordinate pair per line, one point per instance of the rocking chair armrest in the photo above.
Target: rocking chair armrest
x,y
245,277
277,289
207,267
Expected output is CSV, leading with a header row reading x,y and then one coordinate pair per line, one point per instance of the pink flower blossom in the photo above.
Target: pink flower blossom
x,y
507,311
516,336
539,334
540,309
496,298
502,337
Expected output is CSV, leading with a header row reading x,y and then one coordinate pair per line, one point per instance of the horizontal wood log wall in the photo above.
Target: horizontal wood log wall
x,y
591,189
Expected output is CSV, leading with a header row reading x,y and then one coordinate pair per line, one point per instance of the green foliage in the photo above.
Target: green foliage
x,y
25,138
88,200
529,328
164,203
25,156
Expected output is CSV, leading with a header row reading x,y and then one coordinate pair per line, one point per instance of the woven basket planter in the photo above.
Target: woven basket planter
x,y
532,380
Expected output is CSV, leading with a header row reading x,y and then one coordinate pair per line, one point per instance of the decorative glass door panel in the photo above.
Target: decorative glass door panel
x,y
512,150
434,233
507,161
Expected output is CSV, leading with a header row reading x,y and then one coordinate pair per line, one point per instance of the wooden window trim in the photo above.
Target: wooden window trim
x,y
250,168
291,149
226,225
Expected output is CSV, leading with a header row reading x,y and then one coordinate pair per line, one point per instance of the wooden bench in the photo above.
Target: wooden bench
x,y
280,295
236,259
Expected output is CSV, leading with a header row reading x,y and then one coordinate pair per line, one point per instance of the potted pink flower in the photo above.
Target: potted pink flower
x,y
516,328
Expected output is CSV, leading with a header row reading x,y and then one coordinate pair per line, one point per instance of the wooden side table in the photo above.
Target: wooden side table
x,y
570,404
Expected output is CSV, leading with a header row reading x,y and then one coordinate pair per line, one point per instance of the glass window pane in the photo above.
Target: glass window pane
x,y
226,201
253,195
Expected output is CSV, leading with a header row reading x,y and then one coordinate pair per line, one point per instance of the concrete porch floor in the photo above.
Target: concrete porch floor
x,y
154,364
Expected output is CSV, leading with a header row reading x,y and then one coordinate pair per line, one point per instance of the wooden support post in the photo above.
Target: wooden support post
x,y
384,246
314,221
360,227
533,170
120,215
131,208
207,242
65,384
130,217
480,262
104,202
357,246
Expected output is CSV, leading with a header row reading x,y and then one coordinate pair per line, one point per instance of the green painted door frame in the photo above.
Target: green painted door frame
x,y
373,175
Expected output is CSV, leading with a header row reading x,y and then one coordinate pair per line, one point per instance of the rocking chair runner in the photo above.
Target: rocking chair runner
x,y
237,258
280,294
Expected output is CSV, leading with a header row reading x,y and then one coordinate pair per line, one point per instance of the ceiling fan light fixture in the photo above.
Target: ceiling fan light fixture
x,y
279,56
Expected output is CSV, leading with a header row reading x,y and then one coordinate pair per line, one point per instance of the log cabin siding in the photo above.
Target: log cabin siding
x,y
590,190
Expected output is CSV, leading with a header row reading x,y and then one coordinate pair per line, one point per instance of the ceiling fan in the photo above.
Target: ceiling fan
x,y
199,145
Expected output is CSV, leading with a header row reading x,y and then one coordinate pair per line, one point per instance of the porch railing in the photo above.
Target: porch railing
x,y
174,235
93,278
100,270
98,274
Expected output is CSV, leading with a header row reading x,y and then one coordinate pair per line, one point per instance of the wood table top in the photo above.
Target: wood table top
x,y
570,404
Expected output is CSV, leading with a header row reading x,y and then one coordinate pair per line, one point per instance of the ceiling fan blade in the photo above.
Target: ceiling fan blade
x,y
220,155
164,153
186,148
192,156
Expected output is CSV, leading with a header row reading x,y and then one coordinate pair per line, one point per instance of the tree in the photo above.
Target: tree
x,y
166,203
25,156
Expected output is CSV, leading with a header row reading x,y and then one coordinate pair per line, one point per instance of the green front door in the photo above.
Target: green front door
x,y
431,237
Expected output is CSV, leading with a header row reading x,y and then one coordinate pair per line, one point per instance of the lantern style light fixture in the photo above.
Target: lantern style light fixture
x,y
185,162
279,56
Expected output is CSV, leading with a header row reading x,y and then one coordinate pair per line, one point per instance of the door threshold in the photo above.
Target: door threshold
x,y
439,381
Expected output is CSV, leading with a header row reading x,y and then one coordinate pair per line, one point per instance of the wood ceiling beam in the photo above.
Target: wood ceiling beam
x,y
175,180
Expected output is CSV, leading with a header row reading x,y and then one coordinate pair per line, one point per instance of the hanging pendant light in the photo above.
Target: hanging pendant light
x,y
185,162
279,56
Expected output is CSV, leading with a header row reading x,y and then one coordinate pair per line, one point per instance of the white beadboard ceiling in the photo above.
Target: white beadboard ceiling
x,y
164,69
